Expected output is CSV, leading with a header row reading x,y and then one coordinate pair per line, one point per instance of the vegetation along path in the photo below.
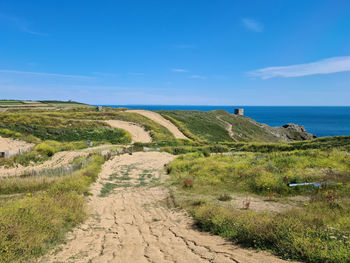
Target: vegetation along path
x,y
133,221
162,121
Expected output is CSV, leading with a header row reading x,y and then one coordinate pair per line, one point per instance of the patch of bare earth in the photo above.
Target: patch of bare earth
x,y
162,121
58,160
137,132
135,222
13,146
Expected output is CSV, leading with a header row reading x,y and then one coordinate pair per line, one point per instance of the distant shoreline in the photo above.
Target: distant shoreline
x,y
319,120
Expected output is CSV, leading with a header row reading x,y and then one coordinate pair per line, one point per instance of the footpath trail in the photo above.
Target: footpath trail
x,y
138,133
162,121
228,128
58,160
136,222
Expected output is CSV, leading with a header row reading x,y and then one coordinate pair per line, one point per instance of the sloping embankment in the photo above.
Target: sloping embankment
x,y
138,134
162,121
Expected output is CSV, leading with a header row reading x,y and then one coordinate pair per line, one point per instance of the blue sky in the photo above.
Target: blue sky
x,y
193,52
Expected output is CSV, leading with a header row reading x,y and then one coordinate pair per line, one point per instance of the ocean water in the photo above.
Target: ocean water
x,y
320,121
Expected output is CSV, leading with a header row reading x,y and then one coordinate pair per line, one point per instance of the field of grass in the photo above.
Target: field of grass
x,y
18,104
315,230
40,211
210,126
157,131
61,129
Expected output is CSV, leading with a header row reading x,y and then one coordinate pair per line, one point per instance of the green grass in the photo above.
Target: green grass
x,y
157,131
205,125
302,234
210,126
61,129
315,231
263,173
36,221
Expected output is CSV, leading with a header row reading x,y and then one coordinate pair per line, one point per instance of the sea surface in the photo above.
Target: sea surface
x,y
320,121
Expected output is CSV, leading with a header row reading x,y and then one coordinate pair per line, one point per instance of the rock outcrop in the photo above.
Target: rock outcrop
x,y
292,132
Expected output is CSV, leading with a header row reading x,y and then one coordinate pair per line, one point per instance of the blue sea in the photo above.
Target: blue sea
x,y
320,121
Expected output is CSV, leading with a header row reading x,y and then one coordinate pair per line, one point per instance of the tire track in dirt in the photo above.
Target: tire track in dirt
x,y
162,121
132,224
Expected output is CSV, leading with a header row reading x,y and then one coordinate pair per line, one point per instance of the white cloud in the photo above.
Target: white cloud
x,y
179,70
43,74
19,23
325,66
253,25
198,77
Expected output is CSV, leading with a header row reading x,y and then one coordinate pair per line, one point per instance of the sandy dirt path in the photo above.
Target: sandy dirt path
x,y
138,133
135,222
228,128
58,160
162,121
8,144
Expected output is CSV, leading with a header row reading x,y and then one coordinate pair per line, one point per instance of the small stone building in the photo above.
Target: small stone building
x,y
239,112
99,108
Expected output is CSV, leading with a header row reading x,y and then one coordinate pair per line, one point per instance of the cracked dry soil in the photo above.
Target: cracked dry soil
x,y
133,223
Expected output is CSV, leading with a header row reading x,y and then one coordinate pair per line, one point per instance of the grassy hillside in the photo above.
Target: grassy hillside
x,y
23,104
211,126
61,129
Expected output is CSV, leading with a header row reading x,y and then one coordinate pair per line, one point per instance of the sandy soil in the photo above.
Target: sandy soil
x,y
58,160
137,224
162,121
8,144
138,133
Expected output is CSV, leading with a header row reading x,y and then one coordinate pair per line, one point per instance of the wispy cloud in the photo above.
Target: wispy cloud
x,y
325,66
19,23
179,70
136,74
198,77
44,74
253,25
183,46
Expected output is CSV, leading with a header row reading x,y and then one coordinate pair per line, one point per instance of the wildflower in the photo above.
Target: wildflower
x,y
305,204
29,194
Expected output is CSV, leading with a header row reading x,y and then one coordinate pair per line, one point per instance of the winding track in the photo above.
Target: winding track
x,y
162,121
134,224
58,160
137,132
228,128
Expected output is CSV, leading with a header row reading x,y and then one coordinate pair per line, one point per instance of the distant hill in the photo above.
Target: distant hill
x,y
42,104
219,126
